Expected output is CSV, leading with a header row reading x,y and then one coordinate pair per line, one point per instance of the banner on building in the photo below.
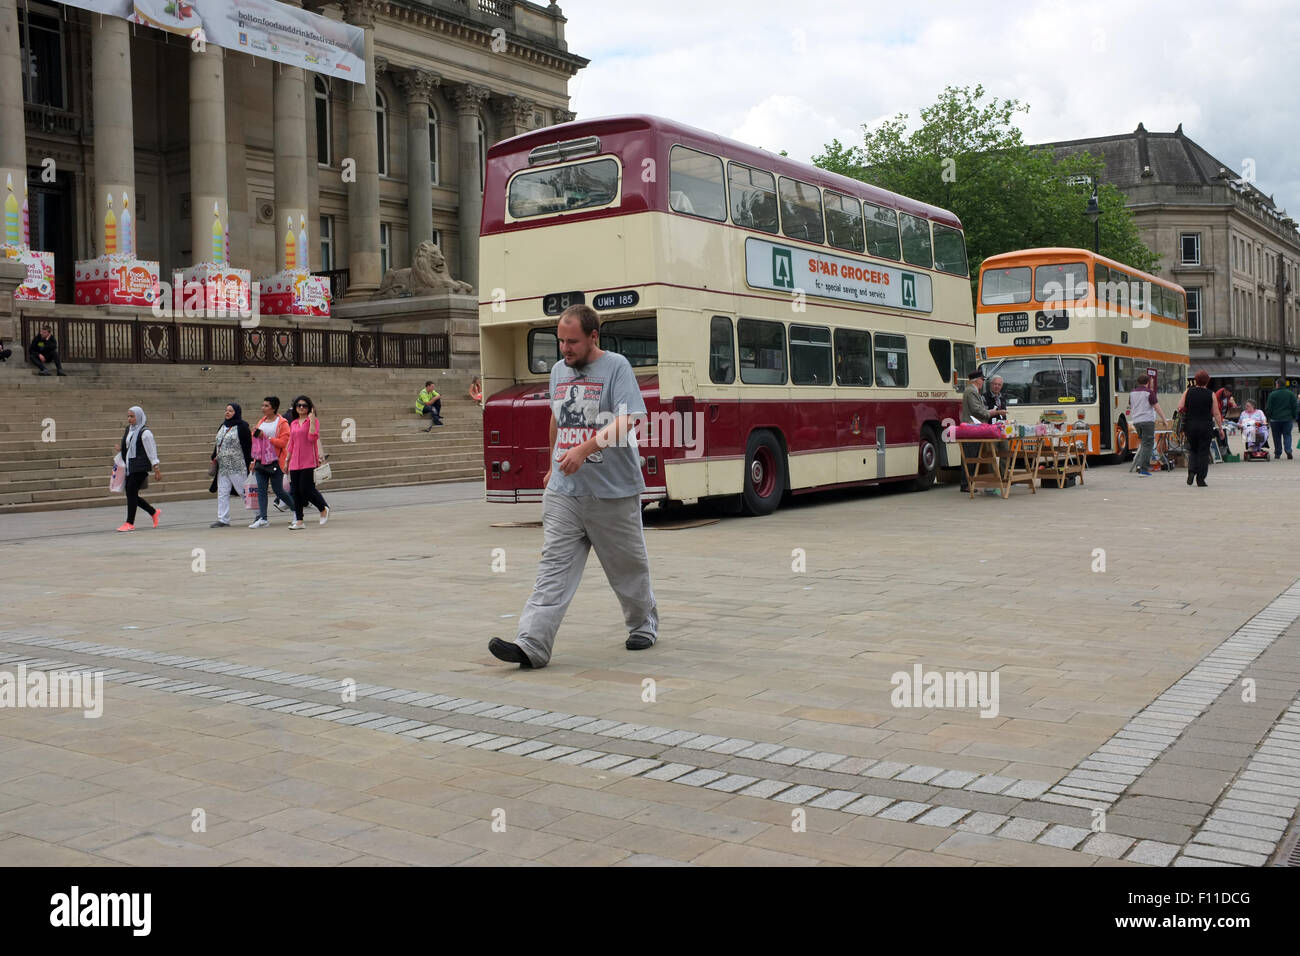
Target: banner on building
x,y
262,28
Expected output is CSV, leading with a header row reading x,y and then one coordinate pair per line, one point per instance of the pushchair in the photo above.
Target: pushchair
x,y
1255,438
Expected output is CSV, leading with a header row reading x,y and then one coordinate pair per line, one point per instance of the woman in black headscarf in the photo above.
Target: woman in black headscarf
x,y
231,455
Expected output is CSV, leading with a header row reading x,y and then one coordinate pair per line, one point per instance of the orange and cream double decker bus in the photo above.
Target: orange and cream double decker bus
x,y
1069,330
791,329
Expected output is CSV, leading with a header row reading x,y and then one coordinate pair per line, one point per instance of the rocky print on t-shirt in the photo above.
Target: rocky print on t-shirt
x,y
577,405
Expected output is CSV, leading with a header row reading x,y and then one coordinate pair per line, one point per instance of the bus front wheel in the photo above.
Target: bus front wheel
x,y
764,474
1122,450
928,460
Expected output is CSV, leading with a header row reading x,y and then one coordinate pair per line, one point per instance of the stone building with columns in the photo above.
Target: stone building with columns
x,y
88,100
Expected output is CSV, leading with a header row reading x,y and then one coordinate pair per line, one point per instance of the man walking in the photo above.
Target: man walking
x,y
45,350
1281,411
593,495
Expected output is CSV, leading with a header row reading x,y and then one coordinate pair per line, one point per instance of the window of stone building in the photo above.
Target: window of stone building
x,y
385,247
1194,311
324,126
40,41
433,146
539,120
326,243
1191,248
381,131
437,238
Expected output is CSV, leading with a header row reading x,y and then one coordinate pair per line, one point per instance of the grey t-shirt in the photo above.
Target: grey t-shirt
x,y
583,402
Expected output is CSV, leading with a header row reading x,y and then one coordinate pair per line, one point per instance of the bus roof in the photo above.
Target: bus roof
x,y
728,148
1055,253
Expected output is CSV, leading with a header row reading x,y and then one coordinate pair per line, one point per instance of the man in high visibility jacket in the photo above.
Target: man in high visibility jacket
x,y
428,403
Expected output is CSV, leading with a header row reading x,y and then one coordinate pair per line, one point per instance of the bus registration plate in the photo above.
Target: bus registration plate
x,y
616,300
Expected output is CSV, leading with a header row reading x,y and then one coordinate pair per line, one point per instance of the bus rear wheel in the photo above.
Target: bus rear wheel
x,y
764,474
927,466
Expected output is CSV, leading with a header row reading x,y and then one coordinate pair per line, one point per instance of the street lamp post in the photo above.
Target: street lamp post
x,y
1093,212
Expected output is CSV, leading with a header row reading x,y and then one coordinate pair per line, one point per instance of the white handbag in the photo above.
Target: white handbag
x,y
322,472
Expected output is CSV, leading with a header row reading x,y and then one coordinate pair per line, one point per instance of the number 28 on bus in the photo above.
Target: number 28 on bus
x,y
1071,331
790,329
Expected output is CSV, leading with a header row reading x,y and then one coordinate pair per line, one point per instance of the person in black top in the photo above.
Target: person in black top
x,y
996,399
1201,418
45,348
139,451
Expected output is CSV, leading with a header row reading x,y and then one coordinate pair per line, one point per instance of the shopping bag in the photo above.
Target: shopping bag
x,y
250,497
117,480
322,473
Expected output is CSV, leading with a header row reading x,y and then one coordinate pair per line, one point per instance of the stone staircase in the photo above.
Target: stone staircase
x,y
85,413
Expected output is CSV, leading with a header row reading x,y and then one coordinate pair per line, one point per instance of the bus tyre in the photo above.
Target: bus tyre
x,y
927,467
1122,451
764,474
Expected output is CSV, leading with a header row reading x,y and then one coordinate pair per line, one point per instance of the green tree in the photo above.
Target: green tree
x,y
968,156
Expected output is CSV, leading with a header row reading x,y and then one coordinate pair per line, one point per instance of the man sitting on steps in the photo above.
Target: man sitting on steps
x,y
45,348
428,403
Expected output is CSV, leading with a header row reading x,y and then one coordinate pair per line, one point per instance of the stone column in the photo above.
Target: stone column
x,y
515,114
114,136
468,99
290,167
418,86
13,142
209,205
363,149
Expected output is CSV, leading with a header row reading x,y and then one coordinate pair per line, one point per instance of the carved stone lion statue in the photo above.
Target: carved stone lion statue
x,y
428,274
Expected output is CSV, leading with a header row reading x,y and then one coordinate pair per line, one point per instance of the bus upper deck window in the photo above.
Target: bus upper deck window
x,y
801,211
882,231
843,222
916,241
753,198
695,184
558,189
1061,282
1005,286
949,250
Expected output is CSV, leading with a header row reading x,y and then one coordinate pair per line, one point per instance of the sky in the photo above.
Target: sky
x,y
794,76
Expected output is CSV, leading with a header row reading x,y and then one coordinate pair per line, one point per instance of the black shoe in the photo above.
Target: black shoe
x,y
1190,478
638,642
1288,456
429,429
44,371
61,372
1201,484
513,653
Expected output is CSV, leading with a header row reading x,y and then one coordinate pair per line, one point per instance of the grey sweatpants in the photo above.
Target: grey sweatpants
x,y
572,526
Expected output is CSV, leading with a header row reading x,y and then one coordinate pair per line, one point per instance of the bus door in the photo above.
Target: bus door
x,y
1104,367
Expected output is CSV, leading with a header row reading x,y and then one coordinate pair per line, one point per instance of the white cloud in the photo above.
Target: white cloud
x,y
793,77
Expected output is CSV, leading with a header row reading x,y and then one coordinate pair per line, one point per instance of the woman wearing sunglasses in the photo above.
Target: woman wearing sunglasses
x,y
303,457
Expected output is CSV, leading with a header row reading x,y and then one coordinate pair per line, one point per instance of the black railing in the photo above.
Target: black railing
x,y
223,343
338,282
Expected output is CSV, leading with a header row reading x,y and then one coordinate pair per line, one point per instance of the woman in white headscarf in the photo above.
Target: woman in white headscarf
x,y
138,451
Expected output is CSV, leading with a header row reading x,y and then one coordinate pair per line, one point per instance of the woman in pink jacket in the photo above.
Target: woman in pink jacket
x,y
302,459
270,452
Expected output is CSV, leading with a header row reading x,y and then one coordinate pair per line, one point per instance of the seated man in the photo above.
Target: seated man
x,y
1254,428
428,403
45,348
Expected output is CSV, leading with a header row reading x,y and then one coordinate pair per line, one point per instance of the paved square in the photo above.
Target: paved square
x,y
327,698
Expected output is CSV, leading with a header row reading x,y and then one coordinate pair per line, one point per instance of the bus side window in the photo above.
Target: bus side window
x,y
852,357
891,360
941,352
543,350
695,184
722,351
762,352
916,241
